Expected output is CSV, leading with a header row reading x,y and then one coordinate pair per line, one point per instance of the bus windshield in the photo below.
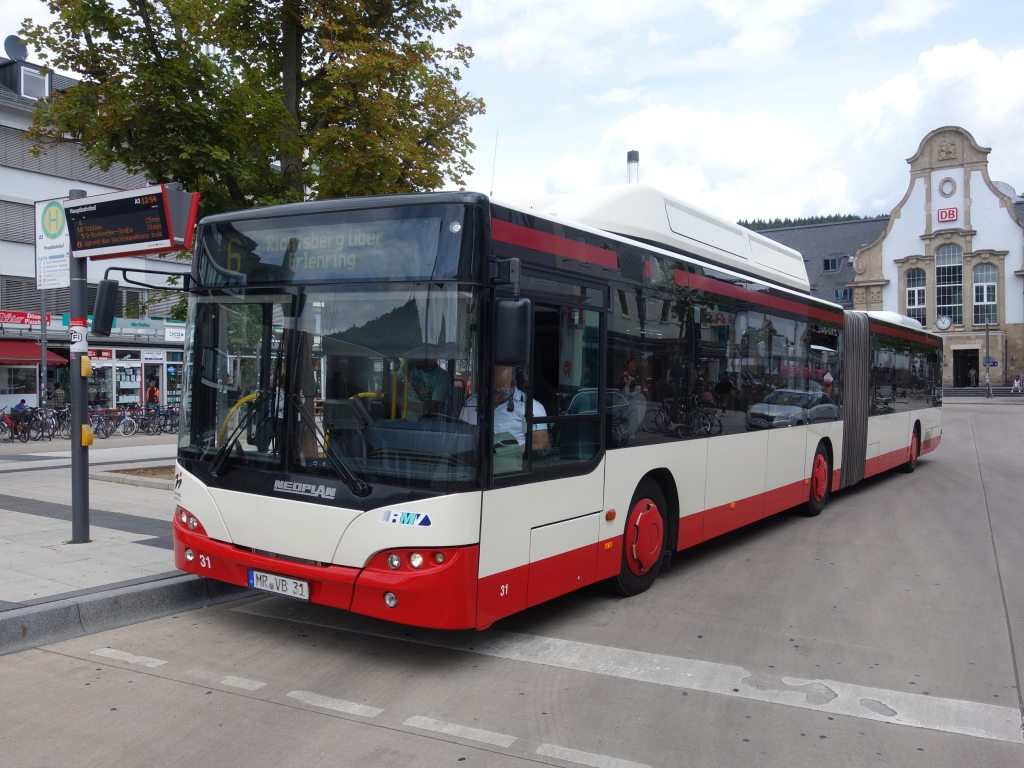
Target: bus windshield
x,y
300,379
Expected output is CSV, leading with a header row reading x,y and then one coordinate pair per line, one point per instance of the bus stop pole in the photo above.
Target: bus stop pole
x,y
42,348
81,434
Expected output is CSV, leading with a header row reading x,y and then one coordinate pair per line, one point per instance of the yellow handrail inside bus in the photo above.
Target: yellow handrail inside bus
x,y
231,412
394,394
405,400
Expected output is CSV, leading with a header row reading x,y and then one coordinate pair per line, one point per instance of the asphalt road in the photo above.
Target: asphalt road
x,y
878,634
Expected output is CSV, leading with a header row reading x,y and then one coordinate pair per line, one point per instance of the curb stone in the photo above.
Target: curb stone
x,y
143,482
32,626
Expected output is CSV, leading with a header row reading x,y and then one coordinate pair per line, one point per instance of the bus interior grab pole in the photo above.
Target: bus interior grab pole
x,y
80,368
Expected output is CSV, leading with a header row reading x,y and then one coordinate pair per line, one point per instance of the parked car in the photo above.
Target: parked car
x,y
790,407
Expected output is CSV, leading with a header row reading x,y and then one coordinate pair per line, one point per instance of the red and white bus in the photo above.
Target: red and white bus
x,y
440,409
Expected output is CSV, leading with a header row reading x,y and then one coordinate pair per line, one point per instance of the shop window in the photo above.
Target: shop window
x,y
986,309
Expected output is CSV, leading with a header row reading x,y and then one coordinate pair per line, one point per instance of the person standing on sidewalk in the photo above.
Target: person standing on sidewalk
x,y
972,377
59,398
152,397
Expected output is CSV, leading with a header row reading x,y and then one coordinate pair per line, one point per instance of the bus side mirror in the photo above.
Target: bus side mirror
x,y
513,332
103,311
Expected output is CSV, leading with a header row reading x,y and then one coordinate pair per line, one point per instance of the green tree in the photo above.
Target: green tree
x,y
255,102
258,102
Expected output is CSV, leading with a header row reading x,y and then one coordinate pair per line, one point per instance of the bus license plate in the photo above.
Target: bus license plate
x,y
279,585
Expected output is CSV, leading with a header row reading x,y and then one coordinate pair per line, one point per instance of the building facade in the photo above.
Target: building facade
x,y
145,346
952,257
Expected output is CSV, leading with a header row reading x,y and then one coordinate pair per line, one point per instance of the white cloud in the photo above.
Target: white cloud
x,y
901,16
581,37
654,37
766,28
758,165
963,85
731,165
614,96
585,37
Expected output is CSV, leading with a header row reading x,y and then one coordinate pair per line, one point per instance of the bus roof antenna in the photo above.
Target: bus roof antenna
x,y
633,167
494,162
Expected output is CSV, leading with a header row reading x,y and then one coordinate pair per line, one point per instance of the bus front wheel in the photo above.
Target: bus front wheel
x,y
643,540
821,482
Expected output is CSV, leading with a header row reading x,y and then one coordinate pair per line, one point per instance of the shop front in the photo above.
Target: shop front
x,y
19,372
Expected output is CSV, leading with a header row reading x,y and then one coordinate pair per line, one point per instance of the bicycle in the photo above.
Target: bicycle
x,y
15,425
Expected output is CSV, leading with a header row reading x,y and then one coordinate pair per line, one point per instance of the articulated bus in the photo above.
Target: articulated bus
x,y
440,409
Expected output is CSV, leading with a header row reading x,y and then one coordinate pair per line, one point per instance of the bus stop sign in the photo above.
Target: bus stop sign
x,y
136,222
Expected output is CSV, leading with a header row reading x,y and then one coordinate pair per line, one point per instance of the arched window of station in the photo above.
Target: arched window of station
x,y
916,294
986,308
949,282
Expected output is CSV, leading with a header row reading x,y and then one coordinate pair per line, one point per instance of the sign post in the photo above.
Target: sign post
x,y
53,253
80,368
135,222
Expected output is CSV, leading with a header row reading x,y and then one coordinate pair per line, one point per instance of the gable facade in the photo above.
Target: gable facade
x,y
953,250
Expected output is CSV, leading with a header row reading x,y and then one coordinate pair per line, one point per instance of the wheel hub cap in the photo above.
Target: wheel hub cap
x,y
644,537
819,478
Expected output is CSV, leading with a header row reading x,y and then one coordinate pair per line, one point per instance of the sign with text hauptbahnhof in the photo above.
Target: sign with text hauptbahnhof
x,y
136,222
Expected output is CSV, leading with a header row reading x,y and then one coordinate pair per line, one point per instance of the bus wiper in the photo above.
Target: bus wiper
x,y
225,449
358,486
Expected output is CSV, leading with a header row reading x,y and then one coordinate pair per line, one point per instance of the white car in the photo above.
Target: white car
x,y
791,407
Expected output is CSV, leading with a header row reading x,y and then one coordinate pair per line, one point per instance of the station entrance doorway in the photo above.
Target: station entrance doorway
x,y
963,361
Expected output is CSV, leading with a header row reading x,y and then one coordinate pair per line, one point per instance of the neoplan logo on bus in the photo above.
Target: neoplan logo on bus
x,y
397,517
306,489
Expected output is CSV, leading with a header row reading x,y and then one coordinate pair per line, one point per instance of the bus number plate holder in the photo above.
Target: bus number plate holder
x,y
279,585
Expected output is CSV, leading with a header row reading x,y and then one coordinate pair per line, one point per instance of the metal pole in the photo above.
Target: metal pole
x,y
42,347
988,365
79,396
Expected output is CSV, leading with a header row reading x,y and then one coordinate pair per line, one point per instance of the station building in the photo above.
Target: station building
x,y
950,255
145,345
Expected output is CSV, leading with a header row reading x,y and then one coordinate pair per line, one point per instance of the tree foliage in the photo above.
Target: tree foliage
x,y
759,225
256,102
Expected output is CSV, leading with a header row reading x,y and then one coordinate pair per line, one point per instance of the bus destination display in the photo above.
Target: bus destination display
x,y
122,222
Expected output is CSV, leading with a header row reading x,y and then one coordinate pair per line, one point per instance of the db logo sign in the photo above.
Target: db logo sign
x,y
947,214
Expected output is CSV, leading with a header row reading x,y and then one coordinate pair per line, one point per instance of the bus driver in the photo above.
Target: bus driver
x,y
510,410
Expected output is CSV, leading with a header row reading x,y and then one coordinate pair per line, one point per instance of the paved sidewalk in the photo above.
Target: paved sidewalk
x,y
130,526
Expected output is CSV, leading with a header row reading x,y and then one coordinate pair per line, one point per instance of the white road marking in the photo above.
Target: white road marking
x,y
586,758
241,682
462,731
131,658
969,718
338,705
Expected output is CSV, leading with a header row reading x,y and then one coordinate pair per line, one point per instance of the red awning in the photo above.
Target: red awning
x,y
25,353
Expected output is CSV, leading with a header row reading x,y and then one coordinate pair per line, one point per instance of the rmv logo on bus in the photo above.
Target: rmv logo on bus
x,y
404,518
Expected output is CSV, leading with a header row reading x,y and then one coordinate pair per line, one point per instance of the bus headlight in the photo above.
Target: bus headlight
x,y
439,557
390,600
189,555
416,560
394,562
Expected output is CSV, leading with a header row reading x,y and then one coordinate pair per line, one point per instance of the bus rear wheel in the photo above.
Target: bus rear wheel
x,y
821,482
643,540
913,454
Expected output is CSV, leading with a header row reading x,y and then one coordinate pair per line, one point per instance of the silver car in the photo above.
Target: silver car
x,y
791,407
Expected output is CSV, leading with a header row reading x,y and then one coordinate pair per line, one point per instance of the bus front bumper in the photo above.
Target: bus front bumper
x,y
438,595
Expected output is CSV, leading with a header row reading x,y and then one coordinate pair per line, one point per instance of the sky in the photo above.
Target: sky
x,y
746,108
